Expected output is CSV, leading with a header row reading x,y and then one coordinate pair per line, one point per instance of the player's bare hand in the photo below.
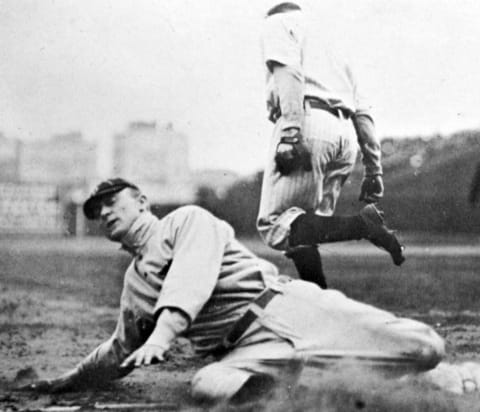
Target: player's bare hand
x,y
147,354
372,189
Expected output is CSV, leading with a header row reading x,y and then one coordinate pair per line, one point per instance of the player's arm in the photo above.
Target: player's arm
x,y
198,241
92,370
290,88
102,364
291,153
282,42
170,324
372,185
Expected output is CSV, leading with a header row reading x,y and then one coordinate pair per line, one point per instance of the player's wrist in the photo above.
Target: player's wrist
x,y
156,344
161,338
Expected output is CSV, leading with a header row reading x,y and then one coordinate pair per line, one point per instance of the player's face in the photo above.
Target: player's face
x,y
118,211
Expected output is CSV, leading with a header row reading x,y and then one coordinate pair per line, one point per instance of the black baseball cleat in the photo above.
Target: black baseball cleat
x,y
380,235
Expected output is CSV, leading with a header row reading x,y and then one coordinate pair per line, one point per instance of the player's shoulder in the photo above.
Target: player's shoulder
x,y
196,218
189,212
283,22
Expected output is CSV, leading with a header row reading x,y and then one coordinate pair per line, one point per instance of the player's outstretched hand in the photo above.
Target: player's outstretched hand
x,y
147,354
372,189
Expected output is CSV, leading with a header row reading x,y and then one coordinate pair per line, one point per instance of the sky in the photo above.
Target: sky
x,y
95,65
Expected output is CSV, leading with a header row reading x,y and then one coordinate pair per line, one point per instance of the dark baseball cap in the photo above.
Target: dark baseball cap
x,y
107,187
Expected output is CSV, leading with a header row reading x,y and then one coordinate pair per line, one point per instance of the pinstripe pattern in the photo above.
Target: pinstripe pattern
x,y
333,145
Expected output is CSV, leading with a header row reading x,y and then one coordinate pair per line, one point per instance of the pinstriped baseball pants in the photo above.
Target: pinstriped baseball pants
x,y
333,145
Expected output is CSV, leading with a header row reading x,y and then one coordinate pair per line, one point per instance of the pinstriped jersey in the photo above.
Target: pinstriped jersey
x,y
325,75
322,74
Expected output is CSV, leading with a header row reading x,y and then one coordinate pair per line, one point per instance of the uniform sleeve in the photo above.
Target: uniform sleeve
x,y
282,39
199,241
290,87
369,143
365,130
104,362
170,324
282,46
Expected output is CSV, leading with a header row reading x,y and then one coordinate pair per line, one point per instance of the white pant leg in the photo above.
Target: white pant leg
x,y
325,326
261,354
333,146
337,173
458,378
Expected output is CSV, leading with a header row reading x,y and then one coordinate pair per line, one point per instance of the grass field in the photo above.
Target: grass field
x,y
58,300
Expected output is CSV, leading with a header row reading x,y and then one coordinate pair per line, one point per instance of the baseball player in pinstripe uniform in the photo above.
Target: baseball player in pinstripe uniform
x,y
320,118
190,276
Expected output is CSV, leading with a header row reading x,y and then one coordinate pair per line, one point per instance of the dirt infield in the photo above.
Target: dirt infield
x,y
58,300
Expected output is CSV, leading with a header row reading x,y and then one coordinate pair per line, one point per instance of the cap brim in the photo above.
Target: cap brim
x,y
91,203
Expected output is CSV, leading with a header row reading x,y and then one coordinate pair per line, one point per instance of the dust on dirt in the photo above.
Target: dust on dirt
x,y
55,308
44,337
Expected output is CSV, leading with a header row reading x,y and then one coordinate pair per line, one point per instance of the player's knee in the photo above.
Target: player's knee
x,y
432,351
216,383
275,232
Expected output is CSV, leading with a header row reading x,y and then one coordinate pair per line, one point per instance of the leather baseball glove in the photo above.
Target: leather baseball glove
x,y
292,154
372,189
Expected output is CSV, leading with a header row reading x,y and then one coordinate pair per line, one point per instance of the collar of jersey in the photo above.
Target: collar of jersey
x,y
139,233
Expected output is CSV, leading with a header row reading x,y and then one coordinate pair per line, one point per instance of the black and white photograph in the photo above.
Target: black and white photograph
x,y
222,205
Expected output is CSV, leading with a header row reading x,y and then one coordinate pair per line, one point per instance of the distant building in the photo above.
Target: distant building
x,y
63,159
30,208
156,158
38,179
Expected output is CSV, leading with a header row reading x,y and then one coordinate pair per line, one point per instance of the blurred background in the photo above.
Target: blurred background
x,y
170,94
428,181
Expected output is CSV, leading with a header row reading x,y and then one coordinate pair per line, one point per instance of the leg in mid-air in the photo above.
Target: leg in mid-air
x,y
296,210
310,229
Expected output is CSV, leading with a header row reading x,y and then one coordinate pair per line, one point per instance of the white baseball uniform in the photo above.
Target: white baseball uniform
x,y
190,261
311,72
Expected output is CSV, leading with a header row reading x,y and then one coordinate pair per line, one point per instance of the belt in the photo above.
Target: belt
x,y
321,105
244,322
